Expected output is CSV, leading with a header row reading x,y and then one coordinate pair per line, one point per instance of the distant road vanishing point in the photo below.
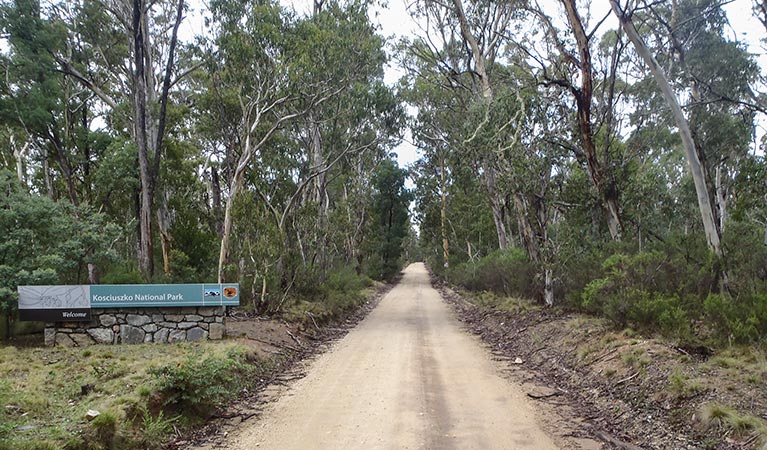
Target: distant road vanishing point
x,y
407,377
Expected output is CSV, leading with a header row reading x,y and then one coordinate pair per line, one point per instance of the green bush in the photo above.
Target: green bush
x,y
341,291
634,291
199,386
506,273
741,320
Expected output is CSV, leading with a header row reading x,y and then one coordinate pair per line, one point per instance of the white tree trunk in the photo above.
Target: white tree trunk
x,y
548,287
696,169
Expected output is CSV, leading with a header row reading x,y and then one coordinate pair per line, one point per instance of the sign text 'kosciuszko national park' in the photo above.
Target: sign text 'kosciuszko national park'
x,y
74,303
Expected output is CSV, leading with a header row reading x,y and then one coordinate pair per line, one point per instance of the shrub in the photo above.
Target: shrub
x,y
632,292
199,386
741,320
339,293
503,272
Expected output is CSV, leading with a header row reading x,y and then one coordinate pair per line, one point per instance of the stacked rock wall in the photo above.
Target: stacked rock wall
x,y
140,325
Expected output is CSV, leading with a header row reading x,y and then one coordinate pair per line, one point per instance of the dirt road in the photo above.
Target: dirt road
x,y
406,378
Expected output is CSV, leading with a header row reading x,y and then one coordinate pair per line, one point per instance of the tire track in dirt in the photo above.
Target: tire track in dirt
x,y
407,377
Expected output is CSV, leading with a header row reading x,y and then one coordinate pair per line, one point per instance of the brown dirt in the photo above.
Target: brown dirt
x,y
290,346
406,377
621,382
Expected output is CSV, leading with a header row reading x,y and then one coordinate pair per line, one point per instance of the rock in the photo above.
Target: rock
x,y
196,334
161,335
187,310
137,320
209,319
151,328
216,331
219,319
102,335
517,360
91,414
192,318
25,428
156,318
148,338
174,317
50,336
64,340
177,336
206,311
185,325
131,335
82,339
203,325
107,320
168,325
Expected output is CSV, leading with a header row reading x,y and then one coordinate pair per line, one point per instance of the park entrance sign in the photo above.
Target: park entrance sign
x,y
74,303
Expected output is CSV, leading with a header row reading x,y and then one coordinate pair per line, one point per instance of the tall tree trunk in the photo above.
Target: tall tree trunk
x,y
20,155
145,255
479,58
239,172
64,166
215,194
721,195
48,179
583,98
696,170
443,212
163,224
529,238
496,206
321,194
548,287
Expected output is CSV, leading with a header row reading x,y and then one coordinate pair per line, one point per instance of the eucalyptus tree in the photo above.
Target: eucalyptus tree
x,y
132,67
462,44
716,131
296,114
391,224
567,62
338,46
42,109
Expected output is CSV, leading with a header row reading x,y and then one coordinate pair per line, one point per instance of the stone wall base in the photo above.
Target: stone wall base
x,y
140,325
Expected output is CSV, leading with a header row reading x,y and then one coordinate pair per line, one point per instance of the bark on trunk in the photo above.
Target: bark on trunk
x,y
145,256
223,255
721,196
164,224
529,239
443,213
215,188
20,155
496,205
320,197
93,274
583,98
696,170
548,287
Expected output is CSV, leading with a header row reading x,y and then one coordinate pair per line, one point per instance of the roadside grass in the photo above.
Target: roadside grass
x,y
727,420
145,392
329,305
488,299
139,391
